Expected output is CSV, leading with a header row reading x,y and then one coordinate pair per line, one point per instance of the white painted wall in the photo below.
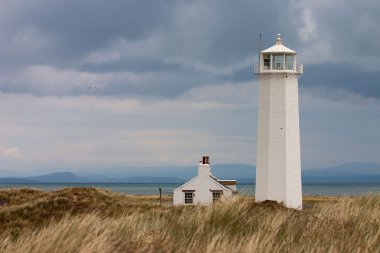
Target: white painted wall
x,y
203,184
202,195
293,156
278,165
204,169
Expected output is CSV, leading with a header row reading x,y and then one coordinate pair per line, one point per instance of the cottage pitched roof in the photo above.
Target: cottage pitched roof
x,y
217,182
227,182
211,178
224,182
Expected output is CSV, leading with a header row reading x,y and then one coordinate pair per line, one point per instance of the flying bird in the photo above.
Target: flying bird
x,y
91,87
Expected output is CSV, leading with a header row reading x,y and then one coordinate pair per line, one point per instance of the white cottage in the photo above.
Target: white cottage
x,y
203,189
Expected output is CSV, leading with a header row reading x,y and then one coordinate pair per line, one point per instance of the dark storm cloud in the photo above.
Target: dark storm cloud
x,y
224,32
136,64
75,28
352,27
344,77
341,39
165,48
191,34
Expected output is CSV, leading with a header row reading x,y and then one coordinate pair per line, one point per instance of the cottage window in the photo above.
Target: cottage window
x,y
188,198
216,196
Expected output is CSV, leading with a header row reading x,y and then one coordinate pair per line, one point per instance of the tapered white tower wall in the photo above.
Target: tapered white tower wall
x,y
278,163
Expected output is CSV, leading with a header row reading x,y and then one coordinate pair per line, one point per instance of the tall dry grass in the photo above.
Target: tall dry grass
x,y
128,224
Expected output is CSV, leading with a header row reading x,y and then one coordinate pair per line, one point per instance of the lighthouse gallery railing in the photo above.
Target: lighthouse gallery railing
x,y
278,67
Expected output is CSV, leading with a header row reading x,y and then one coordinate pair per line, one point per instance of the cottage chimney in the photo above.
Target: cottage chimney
x,y
204,168
205,160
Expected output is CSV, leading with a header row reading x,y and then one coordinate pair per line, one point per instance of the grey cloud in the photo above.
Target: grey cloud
x,y
195,43
133,64
158,85
355,32
75,28
242,74
224,32
349,28
190,32
342,76
87,25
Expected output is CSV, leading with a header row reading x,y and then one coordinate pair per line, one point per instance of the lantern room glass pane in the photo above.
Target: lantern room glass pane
x,y
289,59
278,61
266,59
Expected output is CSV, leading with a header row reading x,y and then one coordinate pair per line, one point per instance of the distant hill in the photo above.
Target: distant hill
x,y
355,172
69,177
353,168
361,179
58,177
161,180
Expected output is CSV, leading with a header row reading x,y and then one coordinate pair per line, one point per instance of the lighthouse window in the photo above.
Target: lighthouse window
x,y
188,198
266,61
289,61
278,61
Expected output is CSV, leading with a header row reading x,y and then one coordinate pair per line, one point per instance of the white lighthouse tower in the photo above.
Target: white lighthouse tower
x,y
278,162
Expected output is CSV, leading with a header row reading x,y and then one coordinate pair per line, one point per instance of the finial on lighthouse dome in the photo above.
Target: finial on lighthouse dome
x,y
278,40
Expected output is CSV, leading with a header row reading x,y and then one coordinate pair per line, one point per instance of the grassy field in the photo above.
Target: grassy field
x,y
94,220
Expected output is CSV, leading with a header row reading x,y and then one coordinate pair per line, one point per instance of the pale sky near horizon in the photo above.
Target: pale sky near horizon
x,y
174,81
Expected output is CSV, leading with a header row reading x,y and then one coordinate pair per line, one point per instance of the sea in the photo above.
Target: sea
x,y
167,188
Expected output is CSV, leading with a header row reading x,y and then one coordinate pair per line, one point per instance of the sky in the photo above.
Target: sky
x,y
174,81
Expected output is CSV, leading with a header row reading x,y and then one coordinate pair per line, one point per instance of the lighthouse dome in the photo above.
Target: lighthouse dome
x,y
278,47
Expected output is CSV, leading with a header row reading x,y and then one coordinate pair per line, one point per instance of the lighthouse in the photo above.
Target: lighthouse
x,y
278,160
